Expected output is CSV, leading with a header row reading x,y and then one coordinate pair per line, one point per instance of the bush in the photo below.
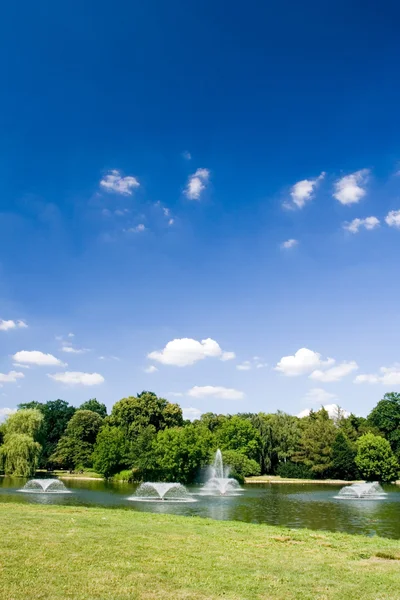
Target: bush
x,y
375,459
240,465
125,475
292,470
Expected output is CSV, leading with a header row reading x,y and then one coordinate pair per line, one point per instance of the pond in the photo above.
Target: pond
x,y
289,505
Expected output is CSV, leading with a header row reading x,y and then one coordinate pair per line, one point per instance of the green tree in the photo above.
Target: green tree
x,y
20,452
111,451
239,434
240,466
134,413
181,452
315,444
343,457
57,414
75,448
28,421
95,406
19,455
211,420
386,417
375,459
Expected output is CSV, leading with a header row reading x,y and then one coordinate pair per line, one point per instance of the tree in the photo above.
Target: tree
x,y
343,455
21,450
240,466
181,452
19,455
95,406
386,417
375,459
57,414
239,434
136,412
75,448
315,444
111,451
28,421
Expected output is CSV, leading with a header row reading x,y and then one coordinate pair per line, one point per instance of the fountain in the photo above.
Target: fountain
x,y
161,492
220,483
45,486
362,491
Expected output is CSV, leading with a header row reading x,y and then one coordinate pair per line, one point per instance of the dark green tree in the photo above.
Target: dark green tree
x,y
111,451
134,413
375,459
315,444
75,448
239,434
181,452
343,457
95,406
57,414
386,417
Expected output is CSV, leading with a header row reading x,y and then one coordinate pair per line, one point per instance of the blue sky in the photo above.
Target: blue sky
x,y
193,171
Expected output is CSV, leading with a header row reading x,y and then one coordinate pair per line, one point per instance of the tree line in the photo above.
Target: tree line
x,y
146,437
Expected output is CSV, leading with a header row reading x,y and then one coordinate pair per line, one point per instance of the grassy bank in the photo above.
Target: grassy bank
x,y
277,479
107,554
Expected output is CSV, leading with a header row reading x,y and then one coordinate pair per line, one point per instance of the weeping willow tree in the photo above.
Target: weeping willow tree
x,y
19,454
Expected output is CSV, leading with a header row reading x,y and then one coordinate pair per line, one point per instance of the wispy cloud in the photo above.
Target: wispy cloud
x,y
115,182
196,184
289,244
303,191
77,378
137,229
393,218
11,377
10,324
186,155
351,188
367,223
215,391
150,369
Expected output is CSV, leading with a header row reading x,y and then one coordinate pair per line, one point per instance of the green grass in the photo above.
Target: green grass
x,y
83,475
62,553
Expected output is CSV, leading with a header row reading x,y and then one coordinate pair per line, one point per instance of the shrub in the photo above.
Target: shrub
x,y
291,470
240,465
125,475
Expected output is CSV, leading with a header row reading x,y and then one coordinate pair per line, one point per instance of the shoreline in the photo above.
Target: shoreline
x,y
277,480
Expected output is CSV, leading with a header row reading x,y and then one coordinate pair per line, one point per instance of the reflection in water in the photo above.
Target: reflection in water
x,y
294,505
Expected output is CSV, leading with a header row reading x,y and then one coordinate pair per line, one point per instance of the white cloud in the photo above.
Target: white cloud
x,y
171,222
150,369
191,413
166,212
388,376
215,392
108,358
244,366
186,351
302,362
11,377
10,324
393,218
71,335
354,225
227,356
318,396
289,244
19,366
6,412
35,357
72,350
138,229
333,410
365,378
335,373
196,184
77,378
186,155
302,191
350,189
114,182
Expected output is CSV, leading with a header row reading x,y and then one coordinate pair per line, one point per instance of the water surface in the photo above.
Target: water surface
x,y
290,505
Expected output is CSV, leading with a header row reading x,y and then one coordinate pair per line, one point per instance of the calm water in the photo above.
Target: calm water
x,y
294,505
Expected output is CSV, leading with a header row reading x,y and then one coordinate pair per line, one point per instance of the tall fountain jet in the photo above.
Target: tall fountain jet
x,y
220,483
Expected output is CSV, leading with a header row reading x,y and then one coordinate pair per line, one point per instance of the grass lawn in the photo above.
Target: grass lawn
x,y
54,553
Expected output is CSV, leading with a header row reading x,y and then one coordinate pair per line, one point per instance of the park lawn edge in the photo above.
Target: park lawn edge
x,y
79,553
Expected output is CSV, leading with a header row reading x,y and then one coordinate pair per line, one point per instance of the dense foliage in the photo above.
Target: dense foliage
x,y
146,437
